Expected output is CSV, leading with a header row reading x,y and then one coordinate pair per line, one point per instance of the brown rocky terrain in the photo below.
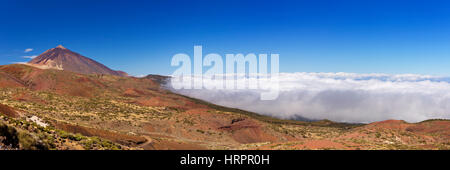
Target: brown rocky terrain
x,y
65,109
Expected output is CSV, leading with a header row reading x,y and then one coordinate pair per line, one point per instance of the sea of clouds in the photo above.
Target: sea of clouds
x,y
342,97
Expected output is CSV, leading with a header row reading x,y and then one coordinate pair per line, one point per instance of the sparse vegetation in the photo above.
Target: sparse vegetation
x,y
110,112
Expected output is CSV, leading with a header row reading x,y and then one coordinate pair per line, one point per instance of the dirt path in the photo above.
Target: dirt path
x,y
149,141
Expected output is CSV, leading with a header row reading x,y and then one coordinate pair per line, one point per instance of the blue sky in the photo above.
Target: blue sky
x,y
140,37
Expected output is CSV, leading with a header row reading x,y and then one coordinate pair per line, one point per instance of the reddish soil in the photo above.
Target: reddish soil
x,y
172,145
9,81
439,127
389,124
8,111
320,144
248,131
124,139
24,96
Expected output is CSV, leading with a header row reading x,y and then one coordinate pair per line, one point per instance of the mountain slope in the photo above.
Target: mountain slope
x,y
63,59
136,113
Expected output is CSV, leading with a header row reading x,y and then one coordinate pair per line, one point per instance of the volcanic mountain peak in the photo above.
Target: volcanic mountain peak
x,y
62,58
61,47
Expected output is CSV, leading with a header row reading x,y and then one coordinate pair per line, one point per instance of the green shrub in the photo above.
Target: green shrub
x,y
10,134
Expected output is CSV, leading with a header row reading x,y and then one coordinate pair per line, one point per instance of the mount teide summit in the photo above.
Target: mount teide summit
x,y
63,59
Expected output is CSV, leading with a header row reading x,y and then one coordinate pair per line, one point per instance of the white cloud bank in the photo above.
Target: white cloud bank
x,y
344,97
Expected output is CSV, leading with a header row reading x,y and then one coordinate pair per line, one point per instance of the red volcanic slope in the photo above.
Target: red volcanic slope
x,y
63,59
